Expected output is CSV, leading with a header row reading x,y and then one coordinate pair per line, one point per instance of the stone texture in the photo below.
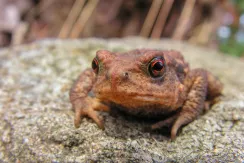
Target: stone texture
x,y
37,121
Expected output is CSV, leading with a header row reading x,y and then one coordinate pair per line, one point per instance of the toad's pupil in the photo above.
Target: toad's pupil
x,y
158,66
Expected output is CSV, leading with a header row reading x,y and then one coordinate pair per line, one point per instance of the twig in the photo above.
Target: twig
x,y
19,33
184,20
202,34
111,12
44,5
72,17
132,26
151,17
83,18
163,14
38,9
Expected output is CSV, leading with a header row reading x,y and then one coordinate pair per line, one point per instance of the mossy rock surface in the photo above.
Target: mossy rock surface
x,y
37,121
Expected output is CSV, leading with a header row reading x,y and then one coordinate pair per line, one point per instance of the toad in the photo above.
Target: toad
x,y
144,82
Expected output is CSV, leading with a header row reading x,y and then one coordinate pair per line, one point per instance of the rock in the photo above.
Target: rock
x,y
37,120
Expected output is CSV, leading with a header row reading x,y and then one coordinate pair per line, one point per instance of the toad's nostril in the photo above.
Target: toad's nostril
x,y
125,75
107,76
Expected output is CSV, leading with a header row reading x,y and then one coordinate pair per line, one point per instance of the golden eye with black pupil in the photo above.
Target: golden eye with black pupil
x,y
156,67
95,65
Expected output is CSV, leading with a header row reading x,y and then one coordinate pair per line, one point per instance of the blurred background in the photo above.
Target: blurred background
x,y
213,23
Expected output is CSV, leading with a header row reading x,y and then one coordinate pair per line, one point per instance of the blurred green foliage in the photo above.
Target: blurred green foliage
x,y
232,46
239,5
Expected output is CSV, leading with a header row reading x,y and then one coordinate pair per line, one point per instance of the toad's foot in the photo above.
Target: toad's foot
x,y
197,83
82,103
88,107
168,122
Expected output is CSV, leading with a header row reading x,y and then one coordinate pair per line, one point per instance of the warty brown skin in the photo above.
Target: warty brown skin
x,y
125,80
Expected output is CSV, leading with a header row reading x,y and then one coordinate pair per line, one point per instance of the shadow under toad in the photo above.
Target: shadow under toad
x,y
122,125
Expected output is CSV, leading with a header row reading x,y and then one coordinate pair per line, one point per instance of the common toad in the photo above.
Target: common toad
x,y
144,82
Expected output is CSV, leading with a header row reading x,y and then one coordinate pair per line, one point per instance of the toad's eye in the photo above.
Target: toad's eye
x,y
95,66
156,67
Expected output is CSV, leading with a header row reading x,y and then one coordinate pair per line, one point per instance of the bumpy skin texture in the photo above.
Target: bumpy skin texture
x,y
124,81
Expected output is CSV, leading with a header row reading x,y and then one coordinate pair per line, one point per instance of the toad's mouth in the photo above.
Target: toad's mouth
x,y
146,98
135,102
129,97
140,99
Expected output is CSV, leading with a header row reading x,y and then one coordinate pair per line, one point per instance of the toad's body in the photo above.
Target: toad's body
x,y
144,82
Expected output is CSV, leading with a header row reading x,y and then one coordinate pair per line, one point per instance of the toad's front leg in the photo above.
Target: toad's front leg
x,y
196,82
82,103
